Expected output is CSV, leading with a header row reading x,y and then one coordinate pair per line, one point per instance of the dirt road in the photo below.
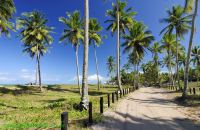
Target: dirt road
x,y
146,109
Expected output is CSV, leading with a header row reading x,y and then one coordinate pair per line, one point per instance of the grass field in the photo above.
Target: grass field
x,y
27,107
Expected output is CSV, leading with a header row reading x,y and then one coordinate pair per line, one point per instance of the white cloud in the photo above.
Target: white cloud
x,y
24,70
91,78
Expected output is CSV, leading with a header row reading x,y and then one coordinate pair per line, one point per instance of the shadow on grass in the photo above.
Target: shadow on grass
x,y
57,88
189,101
19,89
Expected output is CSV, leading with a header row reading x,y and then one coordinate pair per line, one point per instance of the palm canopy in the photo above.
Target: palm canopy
x,y
94,30
196,55
168,43
182,59
73,32
34,32
125,17
189,5
7,8
135,58
168,61
111,64
138,39
177,20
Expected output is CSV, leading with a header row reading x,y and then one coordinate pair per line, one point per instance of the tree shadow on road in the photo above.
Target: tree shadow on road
x,y
146,123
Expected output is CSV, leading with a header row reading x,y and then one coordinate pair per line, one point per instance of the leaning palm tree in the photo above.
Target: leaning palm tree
x,y
84,97
168,44
73,34
179,22
190,5
7,8
138,39
95,40
120,20
35,35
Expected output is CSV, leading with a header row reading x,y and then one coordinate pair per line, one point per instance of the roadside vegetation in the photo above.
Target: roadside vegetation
x,y
26,107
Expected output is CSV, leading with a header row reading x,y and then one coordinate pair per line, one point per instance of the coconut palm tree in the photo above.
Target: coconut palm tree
x,y
95,40
168,44
7,9
135,58
179,22
156,49
196,58
138,39
182,59
111,65
169,63
35,35
190,5
120,20
73,34
84,97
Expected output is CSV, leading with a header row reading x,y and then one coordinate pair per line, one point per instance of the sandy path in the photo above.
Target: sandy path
x,y
146,109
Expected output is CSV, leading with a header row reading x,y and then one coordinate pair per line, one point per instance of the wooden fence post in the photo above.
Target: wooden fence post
x,y
113,98
194,91
101,104
117,96
108,100
90,113
64,121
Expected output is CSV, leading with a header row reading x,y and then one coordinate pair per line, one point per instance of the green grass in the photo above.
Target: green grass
x,y
191,100
26,107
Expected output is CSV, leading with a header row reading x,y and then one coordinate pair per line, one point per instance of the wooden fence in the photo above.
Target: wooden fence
x,y
114,98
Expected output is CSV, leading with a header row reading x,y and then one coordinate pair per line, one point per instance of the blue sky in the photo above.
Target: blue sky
x,y
58,66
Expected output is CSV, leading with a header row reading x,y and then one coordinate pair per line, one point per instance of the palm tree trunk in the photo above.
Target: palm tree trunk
x,y
97,68
77,69
135,75
39,74
189,51
36,73
84,98
177,66
118,49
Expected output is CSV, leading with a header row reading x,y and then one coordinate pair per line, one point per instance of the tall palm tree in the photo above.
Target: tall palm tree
x,y
95,40
168,44
196,56
182,59
138,39
179,22
35,35
84,98
169,63
156,49
73,34
196,59
110,65
7,9
135,58
189,8
120,20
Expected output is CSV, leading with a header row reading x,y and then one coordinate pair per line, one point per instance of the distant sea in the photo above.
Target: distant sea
x,y
4,85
